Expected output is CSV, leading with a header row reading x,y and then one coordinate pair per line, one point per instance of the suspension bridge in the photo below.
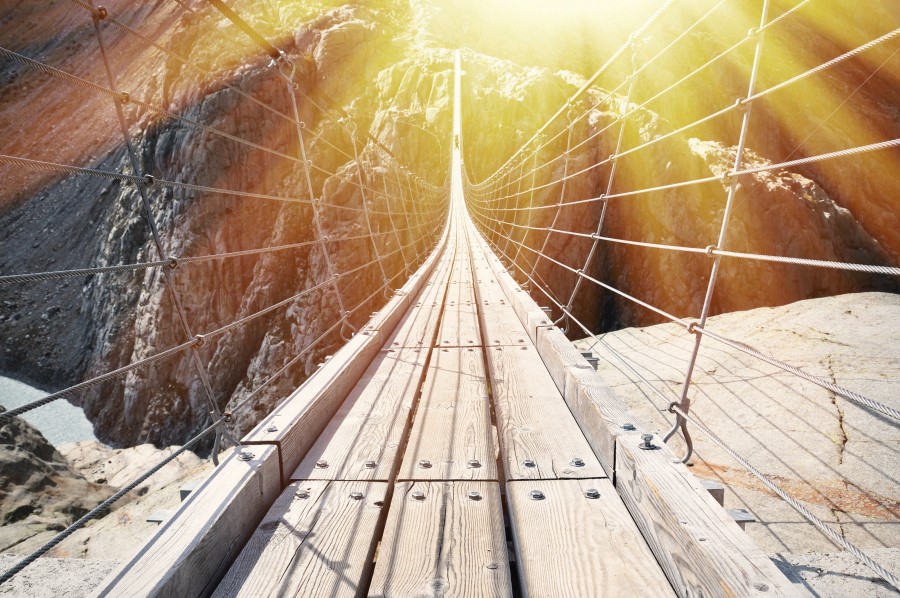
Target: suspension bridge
x,y
457,443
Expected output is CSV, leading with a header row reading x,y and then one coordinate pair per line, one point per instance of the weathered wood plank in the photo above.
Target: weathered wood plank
x,y
452,425
418,325
539,438
191,552
701,549
600,414
559,355
361,441
318,539
444,544
459,322
295,424
568,544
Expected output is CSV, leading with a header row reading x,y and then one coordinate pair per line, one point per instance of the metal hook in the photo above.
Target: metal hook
x,y
680,422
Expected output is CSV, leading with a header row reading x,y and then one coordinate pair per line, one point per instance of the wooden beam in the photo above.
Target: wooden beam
x,y
579,540
445,543
701,549
451,437
361,441
318,539
192,551
539,438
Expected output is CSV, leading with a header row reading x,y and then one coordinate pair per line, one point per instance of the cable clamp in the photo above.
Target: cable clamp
x,y
100,13
752,32
595,236
602,197
199,341
124,97
672,406
227,415
710,249
692,328
742,104
580,273
148,180
172,263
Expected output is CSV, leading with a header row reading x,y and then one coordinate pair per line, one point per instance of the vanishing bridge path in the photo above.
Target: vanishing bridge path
x,y
454,408
457,444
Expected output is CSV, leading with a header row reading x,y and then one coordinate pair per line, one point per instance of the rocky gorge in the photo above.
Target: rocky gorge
x,y
386,67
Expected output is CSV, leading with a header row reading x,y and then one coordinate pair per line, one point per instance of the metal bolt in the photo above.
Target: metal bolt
x,y
322,464
491,566
474,463
577,462
356,495
302,493
528,463
628,427
245,456
536,495
370,464
648,442
592,493
418,495
425,464
473,495
272,429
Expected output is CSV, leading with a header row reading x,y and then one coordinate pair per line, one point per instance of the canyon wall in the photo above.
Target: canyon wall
x,y
387,68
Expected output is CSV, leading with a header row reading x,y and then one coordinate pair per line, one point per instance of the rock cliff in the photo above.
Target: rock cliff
x,y
387,66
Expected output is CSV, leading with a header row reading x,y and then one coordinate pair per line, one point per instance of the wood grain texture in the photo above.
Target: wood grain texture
x,y
417,327
445,545
321,545
600,414
571,545
369,426
701,549
533,421
559,355
452,423
191,551
299,420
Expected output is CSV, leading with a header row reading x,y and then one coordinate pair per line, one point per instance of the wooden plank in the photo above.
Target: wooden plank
x,y
701,549
600,414
191,552
362,440
318,539
539,438
459,322
418,325
452,425
295,424
568,544
559,355
444,544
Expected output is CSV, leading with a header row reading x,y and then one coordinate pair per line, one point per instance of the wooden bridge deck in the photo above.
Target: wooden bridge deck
x,y
458,446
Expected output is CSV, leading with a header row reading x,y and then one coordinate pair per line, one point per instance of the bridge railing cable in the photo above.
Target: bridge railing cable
x,y
416,212
505,208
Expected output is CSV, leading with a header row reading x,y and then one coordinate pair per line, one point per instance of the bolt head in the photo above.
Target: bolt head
x,y
272,429
577,462
592,493
301,493
322,464
473,463
425,464
536,495
246,456
491,566
628,427
418,495
473,495
356,495
529,463
370,464
648,438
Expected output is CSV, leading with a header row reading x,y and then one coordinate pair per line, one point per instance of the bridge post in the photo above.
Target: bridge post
x,y
684,403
